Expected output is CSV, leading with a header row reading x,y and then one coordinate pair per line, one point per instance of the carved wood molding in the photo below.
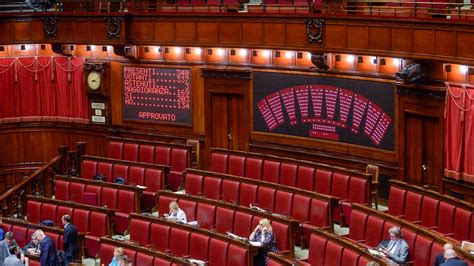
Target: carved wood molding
x,y
419,92
314,30
113,26
97,67
226,74
50,27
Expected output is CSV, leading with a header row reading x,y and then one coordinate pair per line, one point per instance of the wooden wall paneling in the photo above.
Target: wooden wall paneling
x,y
444,42
186,31
380,38
465,45
335,35
230,32
7,30
357,37
402,39
22,30
274,33
208,32
296,34
164,32
66,30
424,41
37,31
116,87
252,32
198,100
86,31
144,30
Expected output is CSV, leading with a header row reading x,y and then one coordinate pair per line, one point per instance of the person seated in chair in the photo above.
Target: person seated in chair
x,y
16,258
118,252
176,214
440,258
5,246
32,247
263,233
451,259
396,250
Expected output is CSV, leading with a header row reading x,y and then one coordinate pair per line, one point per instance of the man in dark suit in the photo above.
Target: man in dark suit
x,y
48,254
452,259
71,247
440,258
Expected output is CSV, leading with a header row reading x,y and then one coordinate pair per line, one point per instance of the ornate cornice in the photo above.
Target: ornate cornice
x,y
98,67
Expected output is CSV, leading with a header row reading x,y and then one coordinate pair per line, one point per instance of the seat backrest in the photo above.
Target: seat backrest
x,y
89,169
217,252
374,231
271,171
93,190
253,168
357,225
126,202
429,211
115,150
340,186
421,254
120,170
144,259
139,231
48,211
446,218
179,159
317,250
396,201
242,224
374,170
301,207
61,191
283,202
462,220
288,174
237,256
323,180
320,213
159,236
219,162
162,155
33,211
435,250
81,219
105,169
20,235
349,257
163,204
154,179
333,254
106,252
199,246
358,190
206,215
136,175
224,220
236,165
410,238
146,153
189,207
248,194
63,210
305,178
130,152
109,197
212,187
193,184
100,224
412,207
76,192
179,242
282,233
266,198
230,190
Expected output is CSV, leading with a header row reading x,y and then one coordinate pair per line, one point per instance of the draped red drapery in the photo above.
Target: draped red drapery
x,y
459,133
43,88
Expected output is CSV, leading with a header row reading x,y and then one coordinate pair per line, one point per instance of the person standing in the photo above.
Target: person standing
x,y
48,254
71,247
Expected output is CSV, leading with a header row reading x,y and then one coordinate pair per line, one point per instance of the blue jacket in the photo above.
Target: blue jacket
x,y
48,255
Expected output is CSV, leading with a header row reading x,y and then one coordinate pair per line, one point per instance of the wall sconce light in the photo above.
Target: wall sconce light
x,y
338,58
382,61
360,60
464,69
447,68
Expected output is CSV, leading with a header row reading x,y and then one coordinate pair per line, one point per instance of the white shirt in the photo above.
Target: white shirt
x,y
178,216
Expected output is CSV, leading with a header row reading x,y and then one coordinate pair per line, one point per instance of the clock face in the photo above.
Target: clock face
x,y
93,80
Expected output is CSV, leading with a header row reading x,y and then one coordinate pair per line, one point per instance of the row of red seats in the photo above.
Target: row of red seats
x,y
369,227
95,222
153,177
224,217
178,156
431,210
122,198
350,186
301,205
184,240
138,255
329,249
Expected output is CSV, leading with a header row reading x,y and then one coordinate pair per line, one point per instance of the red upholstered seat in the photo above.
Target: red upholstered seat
x,y
237,256
288,174
374,232
219,162
136,175
301,208
271,171
81,219
144,259
317,250
179,242
333,254
429,212
340,186
230,190
76,192
253,168
349,257
162,155
358,190
363,261
224,220
410,238
462,220
421,254
130,152
139,231
54,236
61,191
48,211
435,250
115,150
193,184
106,252
20,235
266,198
283,202
282,231
217,252
162,262
248,194
446,218
236,165
305,178
199,246
159,236
357,226
179,159
93,190
189,207
89,169
319,213
471,234
396,201
120,170
154,179
146,153
163,204
323,181
206,215
99,229
62,210
242,224
106,170
126,201
109,197
412,207
387,225
212,187
33,211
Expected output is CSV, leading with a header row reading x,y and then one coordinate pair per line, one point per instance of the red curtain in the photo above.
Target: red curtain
x,y
459,132
43,88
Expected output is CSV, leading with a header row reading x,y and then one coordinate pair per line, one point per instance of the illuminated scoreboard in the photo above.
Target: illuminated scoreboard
x,y
161,95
